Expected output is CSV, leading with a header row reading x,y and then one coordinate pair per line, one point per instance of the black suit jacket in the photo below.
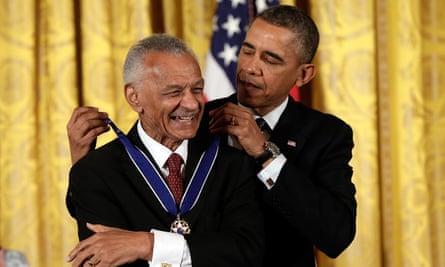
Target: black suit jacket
x,y
313,201
227,225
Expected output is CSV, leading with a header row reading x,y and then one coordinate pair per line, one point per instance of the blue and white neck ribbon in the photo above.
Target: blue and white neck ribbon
x,y
157,183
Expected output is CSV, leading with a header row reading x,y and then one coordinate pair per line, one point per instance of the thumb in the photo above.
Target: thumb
x,y
97,228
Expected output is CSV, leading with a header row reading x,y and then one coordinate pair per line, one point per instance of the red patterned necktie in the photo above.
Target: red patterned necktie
x,y
174,177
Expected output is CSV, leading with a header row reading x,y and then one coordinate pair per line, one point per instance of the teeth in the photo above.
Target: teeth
x,y
184,118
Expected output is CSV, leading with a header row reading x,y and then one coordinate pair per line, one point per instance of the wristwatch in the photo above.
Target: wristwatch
x,y
270,151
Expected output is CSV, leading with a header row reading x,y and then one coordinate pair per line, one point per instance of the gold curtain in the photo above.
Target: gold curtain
x,y
381,68
380,65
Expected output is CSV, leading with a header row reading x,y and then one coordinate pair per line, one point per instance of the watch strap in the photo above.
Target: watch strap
x,y
267,154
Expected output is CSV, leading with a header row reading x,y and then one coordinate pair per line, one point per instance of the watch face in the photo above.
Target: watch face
x,y
273,148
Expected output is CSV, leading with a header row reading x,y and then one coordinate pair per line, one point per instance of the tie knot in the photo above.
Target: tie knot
x,y
262,124
174,163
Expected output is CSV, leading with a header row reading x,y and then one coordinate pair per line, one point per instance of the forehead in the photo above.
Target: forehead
x,y
169,65
265,36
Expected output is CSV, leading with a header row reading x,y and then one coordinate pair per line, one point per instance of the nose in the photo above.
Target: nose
x,y
190,100
252,66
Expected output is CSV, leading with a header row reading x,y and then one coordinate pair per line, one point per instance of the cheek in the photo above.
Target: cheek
x,y
201,100
280,83
289,76
241,65
155,108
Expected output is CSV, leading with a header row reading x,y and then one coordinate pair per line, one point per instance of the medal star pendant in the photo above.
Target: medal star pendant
x,y
180,226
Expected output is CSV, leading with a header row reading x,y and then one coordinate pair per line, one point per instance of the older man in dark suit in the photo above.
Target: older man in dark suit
x,y
208,216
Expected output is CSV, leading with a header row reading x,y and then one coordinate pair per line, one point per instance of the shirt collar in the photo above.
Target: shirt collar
x,y
159,152
272,117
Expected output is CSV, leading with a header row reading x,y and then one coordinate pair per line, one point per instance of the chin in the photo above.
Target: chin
x,y
246,100
189,134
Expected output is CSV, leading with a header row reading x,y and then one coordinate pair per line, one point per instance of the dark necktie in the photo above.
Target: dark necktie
x,y
174,177
264,127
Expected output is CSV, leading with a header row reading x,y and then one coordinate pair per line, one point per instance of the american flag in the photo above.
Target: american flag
x,y
230,24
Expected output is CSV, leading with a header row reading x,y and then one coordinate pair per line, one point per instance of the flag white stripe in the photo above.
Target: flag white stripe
x,y
216,79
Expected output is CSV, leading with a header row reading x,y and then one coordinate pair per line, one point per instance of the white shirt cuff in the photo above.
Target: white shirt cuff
x,y
269,174
169,250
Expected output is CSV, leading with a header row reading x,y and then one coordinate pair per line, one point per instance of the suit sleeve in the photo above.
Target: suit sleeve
x,y
89,200
317,196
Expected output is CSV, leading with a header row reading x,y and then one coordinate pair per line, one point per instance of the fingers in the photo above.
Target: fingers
x,y
80,254
77,112
239,123
93,261
85,253
233,120
85,124
86,120
224,118
221,122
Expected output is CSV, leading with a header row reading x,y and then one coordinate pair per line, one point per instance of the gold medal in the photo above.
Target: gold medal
x,y
180,226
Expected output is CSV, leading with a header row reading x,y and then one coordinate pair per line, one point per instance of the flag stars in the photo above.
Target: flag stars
x,y
261,5
232,25
235,3
228,54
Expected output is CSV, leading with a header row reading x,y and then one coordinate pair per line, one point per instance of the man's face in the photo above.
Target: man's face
x,y
171,97
267,67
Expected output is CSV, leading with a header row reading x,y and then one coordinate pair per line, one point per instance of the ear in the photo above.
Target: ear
x,y
132,96
306,72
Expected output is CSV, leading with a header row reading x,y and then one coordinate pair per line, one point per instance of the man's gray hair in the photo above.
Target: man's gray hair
x,y
134,62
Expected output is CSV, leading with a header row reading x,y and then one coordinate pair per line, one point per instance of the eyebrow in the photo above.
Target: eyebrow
x,y
199,82
269,53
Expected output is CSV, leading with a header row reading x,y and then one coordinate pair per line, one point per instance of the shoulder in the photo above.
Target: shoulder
x,y
318,119
220,101
109,153
101,157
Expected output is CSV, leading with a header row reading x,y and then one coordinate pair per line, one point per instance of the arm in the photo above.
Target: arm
x,y
91,199
314,191
85,124
112,247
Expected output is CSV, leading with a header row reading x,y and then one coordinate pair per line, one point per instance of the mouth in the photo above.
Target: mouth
x,y
182,118
250,87
248,83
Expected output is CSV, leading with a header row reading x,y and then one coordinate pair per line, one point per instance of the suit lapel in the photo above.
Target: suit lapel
x,y
135,177
195,150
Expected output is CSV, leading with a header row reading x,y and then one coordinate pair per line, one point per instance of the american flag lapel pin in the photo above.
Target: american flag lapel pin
x,y
291,143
